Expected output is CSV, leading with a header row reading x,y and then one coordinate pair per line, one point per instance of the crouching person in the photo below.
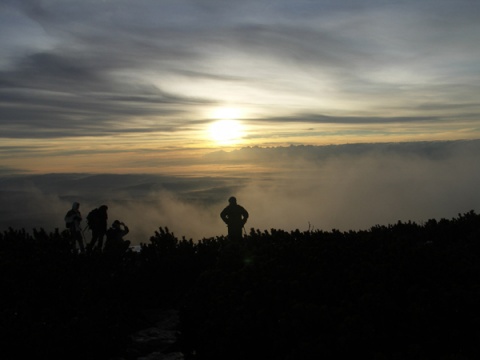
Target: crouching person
x,y
115,242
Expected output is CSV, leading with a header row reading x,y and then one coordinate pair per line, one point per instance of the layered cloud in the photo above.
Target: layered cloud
x,y
102,68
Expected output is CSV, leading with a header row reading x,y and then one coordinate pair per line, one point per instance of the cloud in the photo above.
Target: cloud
x,y
52,95
105,77
6,170
104,60
143,202
379,184
347,187
324,119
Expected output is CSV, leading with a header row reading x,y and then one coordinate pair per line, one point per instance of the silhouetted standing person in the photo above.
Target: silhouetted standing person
x,y
73,218
97,222
115,241
235,216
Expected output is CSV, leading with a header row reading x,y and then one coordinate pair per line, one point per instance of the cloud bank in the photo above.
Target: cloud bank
x,y
347,187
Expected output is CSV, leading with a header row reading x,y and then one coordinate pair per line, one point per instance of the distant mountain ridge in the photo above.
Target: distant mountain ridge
x,y
426,149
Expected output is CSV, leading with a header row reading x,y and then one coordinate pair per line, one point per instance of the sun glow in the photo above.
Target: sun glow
x,y
226,129
226,132
226,113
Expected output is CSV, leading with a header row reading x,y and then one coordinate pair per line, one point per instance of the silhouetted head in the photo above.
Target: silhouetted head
x,y
75,206
116,224
103,208
232,200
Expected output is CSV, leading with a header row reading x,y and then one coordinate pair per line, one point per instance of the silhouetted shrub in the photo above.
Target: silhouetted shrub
x,y
405,290
399,291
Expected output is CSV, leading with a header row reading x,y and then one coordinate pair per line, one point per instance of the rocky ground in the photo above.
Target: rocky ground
x,y
158,340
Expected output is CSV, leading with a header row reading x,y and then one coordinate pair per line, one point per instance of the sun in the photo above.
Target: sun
x,y
226,132
226,129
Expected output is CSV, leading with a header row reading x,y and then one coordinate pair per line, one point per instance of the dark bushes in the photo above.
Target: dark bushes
x,y
399,291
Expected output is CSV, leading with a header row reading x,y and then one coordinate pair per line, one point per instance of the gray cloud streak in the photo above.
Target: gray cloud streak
x,y
323,119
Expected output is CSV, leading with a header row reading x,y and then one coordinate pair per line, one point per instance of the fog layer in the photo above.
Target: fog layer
x,y
347,187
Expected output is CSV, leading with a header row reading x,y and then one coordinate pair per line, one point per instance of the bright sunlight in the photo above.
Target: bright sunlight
x,y
226,130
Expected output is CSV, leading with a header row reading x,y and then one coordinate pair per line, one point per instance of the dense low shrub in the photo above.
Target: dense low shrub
x,y
405,290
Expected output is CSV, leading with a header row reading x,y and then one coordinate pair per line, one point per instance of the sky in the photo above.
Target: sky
x,y
124,87
162,87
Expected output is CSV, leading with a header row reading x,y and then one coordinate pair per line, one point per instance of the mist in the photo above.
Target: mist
x,y
345,187
352,193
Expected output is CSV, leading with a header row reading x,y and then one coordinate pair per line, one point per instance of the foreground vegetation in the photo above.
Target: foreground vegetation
x,y
401,291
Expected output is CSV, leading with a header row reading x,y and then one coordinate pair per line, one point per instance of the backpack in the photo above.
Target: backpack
x,y
69,219
92,219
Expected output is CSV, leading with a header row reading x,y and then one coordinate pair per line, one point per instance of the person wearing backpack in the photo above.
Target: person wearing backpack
x,y
97,222
73,218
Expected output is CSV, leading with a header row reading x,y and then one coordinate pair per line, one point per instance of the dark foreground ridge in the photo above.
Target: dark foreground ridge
x,y
402,291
